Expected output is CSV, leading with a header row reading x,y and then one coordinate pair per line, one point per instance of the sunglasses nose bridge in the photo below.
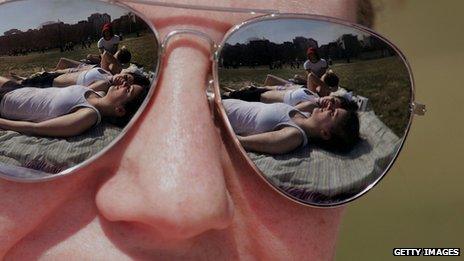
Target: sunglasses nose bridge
x,y
204,36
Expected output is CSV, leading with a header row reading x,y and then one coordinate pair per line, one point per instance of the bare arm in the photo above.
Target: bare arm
x,y
275,142
110,63
64,126
307,106
99,86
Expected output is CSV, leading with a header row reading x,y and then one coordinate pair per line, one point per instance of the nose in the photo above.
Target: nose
x,y
170,177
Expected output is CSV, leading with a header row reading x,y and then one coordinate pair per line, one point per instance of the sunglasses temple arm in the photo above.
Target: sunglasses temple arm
x,y
203,7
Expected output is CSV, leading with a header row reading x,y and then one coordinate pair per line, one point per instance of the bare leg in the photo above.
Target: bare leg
x,y
272,80
5,82
66,63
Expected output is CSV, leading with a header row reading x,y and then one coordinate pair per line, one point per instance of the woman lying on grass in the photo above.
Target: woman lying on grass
x,y
107,61
86,78
279,128
294,95
63,112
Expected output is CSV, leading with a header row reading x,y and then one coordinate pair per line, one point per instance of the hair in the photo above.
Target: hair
x,y
347,104
140,80
124,56
331,79
344,136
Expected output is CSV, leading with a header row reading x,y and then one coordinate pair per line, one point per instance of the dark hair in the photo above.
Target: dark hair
x,y
347,104
141,80
131,108
124,56
344,136
331,79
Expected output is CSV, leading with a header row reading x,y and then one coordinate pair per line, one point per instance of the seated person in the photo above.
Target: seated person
x,y
315,65
63,112
109,41
279,128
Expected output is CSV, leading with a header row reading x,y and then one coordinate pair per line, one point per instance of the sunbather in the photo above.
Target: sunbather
x,y
63,112
280,128
62,78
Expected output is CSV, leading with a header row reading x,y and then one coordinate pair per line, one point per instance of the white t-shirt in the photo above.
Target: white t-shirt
x,y
318,68
248,118
37,104
294,97
109,45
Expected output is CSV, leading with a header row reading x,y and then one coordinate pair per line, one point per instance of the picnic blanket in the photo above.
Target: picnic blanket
x,y
52,155
318,176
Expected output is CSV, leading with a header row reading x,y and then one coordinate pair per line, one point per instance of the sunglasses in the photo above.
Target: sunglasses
x,y
319,107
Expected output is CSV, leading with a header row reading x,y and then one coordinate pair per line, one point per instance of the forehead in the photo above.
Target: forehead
x,y
166,19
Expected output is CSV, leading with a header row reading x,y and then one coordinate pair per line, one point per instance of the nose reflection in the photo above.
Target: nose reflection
x,y
170,177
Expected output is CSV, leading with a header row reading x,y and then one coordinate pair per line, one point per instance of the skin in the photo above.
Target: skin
x,y
176,186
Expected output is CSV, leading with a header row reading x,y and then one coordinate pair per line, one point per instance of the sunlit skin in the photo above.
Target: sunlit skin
x,y
175,186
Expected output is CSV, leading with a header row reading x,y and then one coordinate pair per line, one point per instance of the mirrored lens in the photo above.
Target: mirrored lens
x,y
72,76
320,107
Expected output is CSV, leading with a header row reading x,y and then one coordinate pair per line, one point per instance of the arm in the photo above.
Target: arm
x,y
64,126
315,84
275,142
307,106
110,63
99,86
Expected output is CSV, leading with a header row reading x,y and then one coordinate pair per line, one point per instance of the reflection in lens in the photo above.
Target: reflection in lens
x,y
320,107
72,76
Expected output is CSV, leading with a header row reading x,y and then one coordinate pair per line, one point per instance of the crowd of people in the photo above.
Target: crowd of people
x,y
280,118
76,95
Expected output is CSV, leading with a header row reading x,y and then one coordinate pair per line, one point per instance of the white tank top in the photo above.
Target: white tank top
x,y
248,118
86,78
37,105
293,97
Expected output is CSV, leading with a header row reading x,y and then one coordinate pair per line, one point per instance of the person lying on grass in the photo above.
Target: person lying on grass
x,y
113,63
64,112
293,95
279,128
95,78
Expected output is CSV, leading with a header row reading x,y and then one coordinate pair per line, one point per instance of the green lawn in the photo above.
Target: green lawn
x,y
142,48
384,81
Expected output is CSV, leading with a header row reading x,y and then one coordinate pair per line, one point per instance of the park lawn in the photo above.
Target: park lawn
x,y
143,51
384,81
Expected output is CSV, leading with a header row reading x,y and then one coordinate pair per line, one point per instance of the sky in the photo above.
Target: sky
x,y
29,14
284,30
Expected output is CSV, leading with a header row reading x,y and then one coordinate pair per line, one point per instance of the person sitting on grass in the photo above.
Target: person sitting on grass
x,y
279,128
315,65
64,112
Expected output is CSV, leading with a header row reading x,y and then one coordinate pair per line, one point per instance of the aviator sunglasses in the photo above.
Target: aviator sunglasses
x,y
319,107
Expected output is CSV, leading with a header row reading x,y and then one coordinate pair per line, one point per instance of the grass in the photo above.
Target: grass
x,y
142,48
384,81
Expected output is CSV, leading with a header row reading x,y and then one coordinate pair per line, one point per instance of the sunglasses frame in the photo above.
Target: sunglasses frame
x,y
25,175
414,107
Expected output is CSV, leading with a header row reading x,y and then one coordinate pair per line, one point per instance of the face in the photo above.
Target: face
x,y
123,78
175,186
313,57
328,118
107,35
123,93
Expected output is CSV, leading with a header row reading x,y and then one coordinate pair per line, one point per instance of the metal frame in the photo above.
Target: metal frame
x,y
213,90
